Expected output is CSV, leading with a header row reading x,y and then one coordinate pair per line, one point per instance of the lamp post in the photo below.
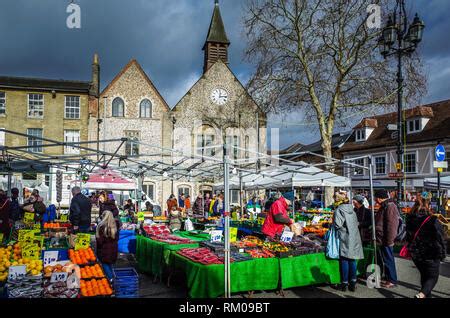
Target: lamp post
x,y
400,40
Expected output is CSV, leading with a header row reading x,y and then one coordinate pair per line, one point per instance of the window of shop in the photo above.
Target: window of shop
x,y
118,107
71,136
132,144
184,190
360,135
149,190
234,196
2,103
414,126
146,109
380,165
410,163
35,105
34,142
233,142
205,141
72,107
359,171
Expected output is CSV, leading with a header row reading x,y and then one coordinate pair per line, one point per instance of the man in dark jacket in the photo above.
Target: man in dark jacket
x,y
15,212
80,211
386,229
364,219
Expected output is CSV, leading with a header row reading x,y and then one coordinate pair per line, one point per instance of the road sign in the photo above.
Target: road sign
x,y
396,175
440,164
440,153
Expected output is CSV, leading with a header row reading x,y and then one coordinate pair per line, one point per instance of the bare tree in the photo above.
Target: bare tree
x,y
319,57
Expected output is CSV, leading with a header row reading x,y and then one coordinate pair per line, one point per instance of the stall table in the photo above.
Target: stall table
x,y
207,281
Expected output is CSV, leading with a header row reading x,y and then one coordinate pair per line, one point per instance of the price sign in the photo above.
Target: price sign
x,y
40,239
233,234
261,220
1,237
26,236
29,217
216,236
50,257
17,272
59,277
287,236
83,241
37,227
63,217
315,220
141,216
31,251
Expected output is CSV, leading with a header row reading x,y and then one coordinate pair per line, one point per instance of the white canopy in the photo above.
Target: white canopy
x,y
302,175
431,183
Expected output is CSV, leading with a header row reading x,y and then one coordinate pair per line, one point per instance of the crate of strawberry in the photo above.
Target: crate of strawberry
x,y
171,239
156,230
201,255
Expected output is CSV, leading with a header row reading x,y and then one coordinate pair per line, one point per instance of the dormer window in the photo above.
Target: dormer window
x,y
361,135
414,126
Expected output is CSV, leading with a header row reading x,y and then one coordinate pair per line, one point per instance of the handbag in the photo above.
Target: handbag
x,y
404,252
333,245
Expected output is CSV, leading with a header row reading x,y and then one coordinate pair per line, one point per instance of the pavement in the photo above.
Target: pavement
x,y
408,285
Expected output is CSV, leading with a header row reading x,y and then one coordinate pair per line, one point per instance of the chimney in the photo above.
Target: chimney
x,y
95,82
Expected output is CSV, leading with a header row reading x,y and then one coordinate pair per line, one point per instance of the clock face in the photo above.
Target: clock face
x,y
219,96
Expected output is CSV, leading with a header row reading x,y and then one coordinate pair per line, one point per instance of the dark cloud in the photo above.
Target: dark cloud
x,y
166,37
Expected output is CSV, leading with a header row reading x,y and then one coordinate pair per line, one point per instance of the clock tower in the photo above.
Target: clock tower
x,y
217,43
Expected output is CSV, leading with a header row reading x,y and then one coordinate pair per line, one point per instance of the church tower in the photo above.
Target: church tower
x,y
216,45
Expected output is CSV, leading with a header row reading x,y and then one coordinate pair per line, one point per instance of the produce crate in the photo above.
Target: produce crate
x,y
63,251
126,282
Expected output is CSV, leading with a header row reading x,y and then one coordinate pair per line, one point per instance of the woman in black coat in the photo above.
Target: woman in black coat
x,y
428,248
107,239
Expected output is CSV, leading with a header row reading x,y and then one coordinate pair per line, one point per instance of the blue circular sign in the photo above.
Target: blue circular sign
x,y
440,153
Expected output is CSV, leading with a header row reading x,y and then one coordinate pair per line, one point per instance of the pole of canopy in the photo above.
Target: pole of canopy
x,y
241,192
227,220
372,199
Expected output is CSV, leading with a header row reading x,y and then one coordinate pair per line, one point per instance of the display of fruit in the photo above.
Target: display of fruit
x,y
95,287
82,257
171,239
94,271
252,241
156,230
5,262
201,255
318,230
258,253
275,247
52,225
58,290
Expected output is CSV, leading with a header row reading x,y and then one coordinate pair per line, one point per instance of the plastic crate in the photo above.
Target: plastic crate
x,y
126,282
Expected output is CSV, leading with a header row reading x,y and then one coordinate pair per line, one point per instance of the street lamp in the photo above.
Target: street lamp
x,y
397,39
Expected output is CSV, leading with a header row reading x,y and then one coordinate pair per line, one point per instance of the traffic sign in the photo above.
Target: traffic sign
x,y
440,164
396,175
440,153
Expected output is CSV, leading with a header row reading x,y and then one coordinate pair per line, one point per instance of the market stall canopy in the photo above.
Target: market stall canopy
x,y
431,183
108,180
286,176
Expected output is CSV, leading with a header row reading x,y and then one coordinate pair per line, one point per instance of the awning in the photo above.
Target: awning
x,y
108,180
431,183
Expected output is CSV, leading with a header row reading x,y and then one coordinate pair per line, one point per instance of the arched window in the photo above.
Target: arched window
x,y
146,109
118,107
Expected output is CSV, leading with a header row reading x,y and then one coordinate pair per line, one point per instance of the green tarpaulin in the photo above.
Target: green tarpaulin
x,y
207,281
306,270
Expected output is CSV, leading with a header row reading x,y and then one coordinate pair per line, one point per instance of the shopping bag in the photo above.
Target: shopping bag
x,y
188,226
404,252
332,250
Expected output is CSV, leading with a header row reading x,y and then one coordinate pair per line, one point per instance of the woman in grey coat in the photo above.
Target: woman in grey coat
x,y
346,223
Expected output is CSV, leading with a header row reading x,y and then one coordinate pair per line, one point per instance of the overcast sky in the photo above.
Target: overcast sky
x,y
166,37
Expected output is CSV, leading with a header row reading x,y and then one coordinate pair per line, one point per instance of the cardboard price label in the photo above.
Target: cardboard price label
x,y
216,236
50,258
17,272
83,241
59,277
141,216
37,227
31,251
261,220
315,220
26,236
40,239
29,217
287,236
64,217
233,234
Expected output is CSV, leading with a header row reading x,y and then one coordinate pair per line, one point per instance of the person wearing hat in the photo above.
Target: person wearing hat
x,y
277,218
364,216
386,229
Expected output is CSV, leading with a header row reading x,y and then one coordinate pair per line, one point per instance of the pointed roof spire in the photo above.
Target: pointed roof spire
x,y
216,31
